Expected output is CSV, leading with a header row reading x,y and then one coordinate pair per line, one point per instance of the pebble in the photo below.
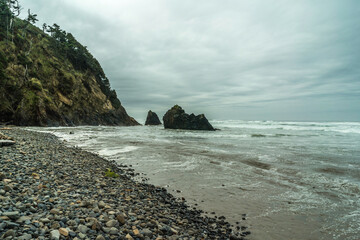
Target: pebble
x,y
64,232
100,237
12,215
114,231
146,232
82,228
52,191
55,225
101,204
8,233
55,235
2,176
121,219
55,211
71,223
44,220
129,237
23,219
7,188
25,237
111,223
82,235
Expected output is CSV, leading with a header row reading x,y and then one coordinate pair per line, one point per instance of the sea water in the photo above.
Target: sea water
x,y
293,180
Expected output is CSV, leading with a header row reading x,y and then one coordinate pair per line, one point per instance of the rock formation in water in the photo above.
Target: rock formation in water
x,y
176,118
51,79
152,119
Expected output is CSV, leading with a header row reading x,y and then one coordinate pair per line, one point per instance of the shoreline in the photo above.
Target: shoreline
x,y
61,192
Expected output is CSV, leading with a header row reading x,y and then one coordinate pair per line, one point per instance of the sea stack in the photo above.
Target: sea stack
x,y
152,119
176,118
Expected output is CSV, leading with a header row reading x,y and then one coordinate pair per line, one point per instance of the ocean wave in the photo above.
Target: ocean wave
x,y
341,127
112,152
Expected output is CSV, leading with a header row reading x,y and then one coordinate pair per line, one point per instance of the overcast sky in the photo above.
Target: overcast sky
x,y
229,59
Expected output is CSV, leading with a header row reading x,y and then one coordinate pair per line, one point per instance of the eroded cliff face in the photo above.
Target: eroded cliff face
x,y
51,80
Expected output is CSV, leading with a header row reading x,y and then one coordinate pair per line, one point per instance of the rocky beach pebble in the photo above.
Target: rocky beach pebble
x,y
52,191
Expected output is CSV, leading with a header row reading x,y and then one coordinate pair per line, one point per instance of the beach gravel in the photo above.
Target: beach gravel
x,y
49,190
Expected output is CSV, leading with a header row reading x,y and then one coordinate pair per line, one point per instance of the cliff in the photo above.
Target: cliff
x,y
47,78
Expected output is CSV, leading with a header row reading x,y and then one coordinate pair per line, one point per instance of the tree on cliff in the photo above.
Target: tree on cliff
x,y
9,9
81,59
48,78
31,18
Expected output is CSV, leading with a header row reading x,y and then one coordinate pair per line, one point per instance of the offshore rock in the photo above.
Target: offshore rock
x,y
176,118
152,119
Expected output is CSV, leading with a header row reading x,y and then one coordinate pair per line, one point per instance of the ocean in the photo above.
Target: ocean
x,y
283,180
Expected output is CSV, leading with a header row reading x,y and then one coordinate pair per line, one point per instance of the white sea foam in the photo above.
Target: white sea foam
x,y
116,151
342,127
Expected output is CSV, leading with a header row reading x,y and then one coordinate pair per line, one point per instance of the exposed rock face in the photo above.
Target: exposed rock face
x,y
176,118
152,119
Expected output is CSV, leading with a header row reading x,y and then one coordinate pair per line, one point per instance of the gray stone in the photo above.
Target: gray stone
x,y
83,229
146,232
55,225
12,215
55,234
2,176
23,219
9,233
100,237
82,235
26,237
32,209
111,223
55,211
71,223
7,188
114,231
101,204
44,220
2,226
12,225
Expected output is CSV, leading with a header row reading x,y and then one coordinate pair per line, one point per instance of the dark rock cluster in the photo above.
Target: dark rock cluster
x,y
51,191
152,119
176,118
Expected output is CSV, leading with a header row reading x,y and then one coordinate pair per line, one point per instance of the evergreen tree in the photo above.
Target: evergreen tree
x,y
9,9
44,26
31,17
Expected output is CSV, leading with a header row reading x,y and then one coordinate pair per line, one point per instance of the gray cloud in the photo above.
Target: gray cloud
x,y
229,59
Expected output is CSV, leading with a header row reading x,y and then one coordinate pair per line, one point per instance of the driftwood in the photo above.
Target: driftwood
x,y
4,143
